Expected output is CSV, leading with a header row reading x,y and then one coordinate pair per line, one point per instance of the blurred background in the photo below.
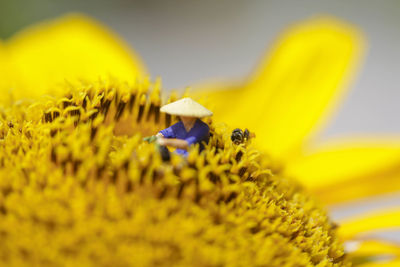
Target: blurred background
x,y
186,42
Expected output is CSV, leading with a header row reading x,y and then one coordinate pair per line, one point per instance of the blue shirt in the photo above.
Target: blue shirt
x,y
199,133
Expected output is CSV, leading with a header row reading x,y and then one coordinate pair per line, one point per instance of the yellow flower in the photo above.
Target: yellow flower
x,y
75,190
65,155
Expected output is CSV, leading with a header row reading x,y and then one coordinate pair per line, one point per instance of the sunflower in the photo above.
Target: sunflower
x,y
78,185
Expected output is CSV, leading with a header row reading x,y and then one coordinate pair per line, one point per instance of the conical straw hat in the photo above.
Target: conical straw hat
x,y
186,107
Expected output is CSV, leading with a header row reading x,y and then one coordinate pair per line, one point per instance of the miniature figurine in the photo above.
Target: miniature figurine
x,y
189,130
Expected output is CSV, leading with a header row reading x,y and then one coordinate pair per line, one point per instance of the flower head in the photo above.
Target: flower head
x,y
81,185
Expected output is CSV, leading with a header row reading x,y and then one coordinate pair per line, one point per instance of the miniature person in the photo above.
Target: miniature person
x,y
189,130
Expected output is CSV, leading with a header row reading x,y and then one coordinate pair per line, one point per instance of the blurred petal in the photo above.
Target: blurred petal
x,y
3,68
70,48
372,251
306,71
366,224
393,263
343,170
375,248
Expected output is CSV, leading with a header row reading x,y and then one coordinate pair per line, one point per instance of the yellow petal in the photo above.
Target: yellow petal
x,y
372,251
295,86
3,68
342,170
70,48
366,224
373,247
392,263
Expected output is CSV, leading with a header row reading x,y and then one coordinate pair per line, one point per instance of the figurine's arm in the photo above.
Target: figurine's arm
x,y
167,132
177,143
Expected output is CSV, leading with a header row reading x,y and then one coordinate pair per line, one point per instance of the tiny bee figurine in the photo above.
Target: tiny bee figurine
x,y
239,137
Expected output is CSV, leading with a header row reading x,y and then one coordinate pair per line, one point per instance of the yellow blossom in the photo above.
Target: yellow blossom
x,y
78,184
76,191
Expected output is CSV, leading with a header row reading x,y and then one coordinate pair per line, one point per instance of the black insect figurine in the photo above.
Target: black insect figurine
x,y
239,137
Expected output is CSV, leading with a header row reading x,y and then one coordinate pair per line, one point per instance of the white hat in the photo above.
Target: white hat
x,y
186,107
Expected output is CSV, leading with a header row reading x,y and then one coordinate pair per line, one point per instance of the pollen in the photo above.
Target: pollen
x,y
78,186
